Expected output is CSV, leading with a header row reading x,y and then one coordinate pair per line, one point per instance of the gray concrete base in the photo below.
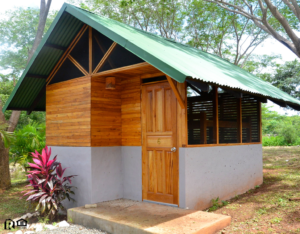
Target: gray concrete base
x,y
125,216
206,173
103,173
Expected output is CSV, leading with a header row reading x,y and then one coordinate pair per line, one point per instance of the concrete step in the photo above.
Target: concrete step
x,y
126,216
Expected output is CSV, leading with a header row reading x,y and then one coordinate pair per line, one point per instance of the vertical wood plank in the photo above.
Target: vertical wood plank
x,y
203,125
144,146
215,116
239,120
90,50
176,92
182,117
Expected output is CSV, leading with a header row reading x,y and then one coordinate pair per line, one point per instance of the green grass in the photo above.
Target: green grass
x,y
11,206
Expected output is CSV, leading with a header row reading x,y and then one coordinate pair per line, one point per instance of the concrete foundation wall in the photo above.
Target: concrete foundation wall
x,y
206,173
103,173
107,181
132,172
78,161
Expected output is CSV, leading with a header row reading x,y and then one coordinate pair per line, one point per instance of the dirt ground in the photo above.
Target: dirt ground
x,y
267,208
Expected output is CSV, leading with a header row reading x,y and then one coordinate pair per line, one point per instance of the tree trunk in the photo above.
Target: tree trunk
x,y
14,118
4,167
4,158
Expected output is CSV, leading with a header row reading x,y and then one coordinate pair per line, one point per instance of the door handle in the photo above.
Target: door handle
x,y
173,149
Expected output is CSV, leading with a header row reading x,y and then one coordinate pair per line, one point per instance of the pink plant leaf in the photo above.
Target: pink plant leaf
x,y
35,155
38,162
44,157
49,164
35,195
48,153
34,166
60,171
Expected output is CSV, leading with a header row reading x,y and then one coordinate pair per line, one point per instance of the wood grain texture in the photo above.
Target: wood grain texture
x,y
159,126
105,113
131,111
68,111
182,130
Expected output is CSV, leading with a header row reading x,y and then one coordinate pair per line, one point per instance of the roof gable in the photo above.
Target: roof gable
x,y
174,59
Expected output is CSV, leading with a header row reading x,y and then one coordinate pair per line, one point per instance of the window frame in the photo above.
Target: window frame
x,y
216,123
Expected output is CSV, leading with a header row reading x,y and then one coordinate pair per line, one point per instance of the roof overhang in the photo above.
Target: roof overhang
x,y
173,59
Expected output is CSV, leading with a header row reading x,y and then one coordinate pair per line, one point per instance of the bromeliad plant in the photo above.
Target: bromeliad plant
x,y
48,186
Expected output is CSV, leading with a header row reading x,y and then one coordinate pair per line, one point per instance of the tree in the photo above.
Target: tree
x,y
163,17
229,35
14,118
287,78
5,140
195,22
279,19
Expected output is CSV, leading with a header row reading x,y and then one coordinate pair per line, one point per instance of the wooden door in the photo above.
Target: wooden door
x,y
160,161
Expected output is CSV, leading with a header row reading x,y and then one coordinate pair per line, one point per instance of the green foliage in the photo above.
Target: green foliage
x,y
27,139
287,78
279,130
17,33
6,87
216,204
197,23
7,137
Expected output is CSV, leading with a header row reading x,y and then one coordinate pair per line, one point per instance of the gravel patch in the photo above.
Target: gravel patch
x,y
73,229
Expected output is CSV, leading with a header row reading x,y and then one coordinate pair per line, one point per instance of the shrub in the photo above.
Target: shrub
x,y
288,132
273,141
48,186
28,139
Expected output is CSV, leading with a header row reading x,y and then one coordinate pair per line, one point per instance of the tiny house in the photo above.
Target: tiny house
x,y
142,117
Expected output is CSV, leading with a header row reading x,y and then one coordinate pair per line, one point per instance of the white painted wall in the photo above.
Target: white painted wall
x,y
206,173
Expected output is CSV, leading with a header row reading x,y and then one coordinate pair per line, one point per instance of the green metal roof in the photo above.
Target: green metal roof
x,y
174,59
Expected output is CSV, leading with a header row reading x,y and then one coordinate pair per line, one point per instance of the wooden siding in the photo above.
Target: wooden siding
x,y
131,111
68,111
105,114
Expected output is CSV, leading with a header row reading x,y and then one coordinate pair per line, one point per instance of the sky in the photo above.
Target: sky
x,y
270,46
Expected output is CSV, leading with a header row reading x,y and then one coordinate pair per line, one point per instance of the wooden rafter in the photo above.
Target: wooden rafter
x,y
66,53
175,90
151,75
90,50
103,51
103,60
122,69
77,65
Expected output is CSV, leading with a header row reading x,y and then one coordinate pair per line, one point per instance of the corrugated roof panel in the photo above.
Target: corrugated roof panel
x,y
70,26
180,61
174,59
24,98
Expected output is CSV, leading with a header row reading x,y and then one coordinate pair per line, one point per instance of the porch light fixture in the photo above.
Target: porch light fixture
x,y
110,82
